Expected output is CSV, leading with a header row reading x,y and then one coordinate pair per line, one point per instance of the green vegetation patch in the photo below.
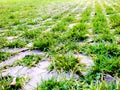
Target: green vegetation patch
x,y
109,10
16,43
54,84
106,57
115,21
29,61
73,84
64,62
3,42
5,83
4,56
31,34
78,32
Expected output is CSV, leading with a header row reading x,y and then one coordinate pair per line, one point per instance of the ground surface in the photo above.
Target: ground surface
x,y
59,44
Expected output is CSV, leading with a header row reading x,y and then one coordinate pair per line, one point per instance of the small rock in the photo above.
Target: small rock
x,y
13,82
109,78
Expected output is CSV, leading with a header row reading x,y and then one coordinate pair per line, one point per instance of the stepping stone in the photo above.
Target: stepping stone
x,y
12,71
10,38
14,58
14,50
85,60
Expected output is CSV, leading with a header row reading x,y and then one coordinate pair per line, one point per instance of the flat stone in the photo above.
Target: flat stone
x,y
90,39
38,52
29,45
14,50
1,29
14,58
109,78
10,38
20,56
72,25
36,75
85,60
12,71
43,64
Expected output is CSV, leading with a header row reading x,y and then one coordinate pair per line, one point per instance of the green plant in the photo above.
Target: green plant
x,y
99,23
31,34
106,37
43,43
29,61
64,62
85,15
22,27
104,86
3,42
115,21
63,84
60,27
78,32
6,81
4,56
109,10
68,19
16,44
117,30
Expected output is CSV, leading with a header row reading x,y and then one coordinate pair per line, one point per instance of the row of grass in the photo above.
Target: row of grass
x,y
105,54
67,61
73,84
6,83
61,43
99,21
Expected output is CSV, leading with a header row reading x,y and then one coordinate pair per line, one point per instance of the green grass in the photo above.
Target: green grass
x,y
16,44
60,27
4,56
31,34
54,84
65,62
45,41
109,10
73,84
30,21
29,61
78,32
106,37
115,21
106,57
6,81
86,15
3,42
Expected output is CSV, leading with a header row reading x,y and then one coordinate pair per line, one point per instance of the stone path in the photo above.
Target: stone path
x,y
40,71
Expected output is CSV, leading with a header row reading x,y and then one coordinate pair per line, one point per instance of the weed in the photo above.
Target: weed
x,y
63,84
29,61
115,21
45,41
68,19
16,44
78,32
6,81
64,62
3,42
105,38
117,30
31,34
109,10
4,56
60,27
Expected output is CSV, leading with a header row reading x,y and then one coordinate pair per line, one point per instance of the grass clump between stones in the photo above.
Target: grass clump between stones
x,y
29,61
